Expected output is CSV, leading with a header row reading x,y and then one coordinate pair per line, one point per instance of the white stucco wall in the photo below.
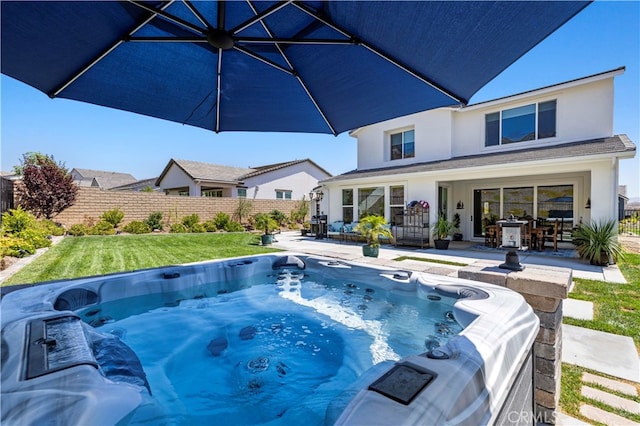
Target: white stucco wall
x,y
584,111
300,179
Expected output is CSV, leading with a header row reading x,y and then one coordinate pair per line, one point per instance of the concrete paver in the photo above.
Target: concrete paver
x,y
614,385
604,352
605,417
611,400
578,309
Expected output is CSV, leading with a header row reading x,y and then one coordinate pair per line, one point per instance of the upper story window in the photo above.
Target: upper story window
x,y
525,123
242,193
283,194
403,145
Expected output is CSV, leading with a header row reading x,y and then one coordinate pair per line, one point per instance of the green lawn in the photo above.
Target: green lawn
x,y
85,256
616,310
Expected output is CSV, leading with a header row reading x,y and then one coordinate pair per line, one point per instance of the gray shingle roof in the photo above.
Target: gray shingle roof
x,y
106,179
612,145
219,173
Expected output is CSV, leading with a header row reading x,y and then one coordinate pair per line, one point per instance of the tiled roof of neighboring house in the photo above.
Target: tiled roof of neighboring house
x,y
206,171
138,185
214,172
602,146
105,179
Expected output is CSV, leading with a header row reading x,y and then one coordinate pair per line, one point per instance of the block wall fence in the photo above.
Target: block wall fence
x,y
92,202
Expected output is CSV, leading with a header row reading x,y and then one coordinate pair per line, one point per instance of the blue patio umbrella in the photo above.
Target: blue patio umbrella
x,y
298,66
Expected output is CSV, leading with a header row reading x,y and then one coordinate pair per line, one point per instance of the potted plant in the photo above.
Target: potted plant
x,y
372,228
597,242
457,236
441,232
266,222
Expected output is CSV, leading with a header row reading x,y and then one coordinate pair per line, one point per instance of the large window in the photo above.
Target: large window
x,y
518,202
525,123
371,201
403,145
347,205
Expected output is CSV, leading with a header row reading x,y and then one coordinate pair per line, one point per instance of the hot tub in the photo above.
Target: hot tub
x,y
312,339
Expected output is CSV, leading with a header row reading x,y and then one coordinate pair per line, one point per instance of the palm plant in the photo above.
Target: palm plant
x,y
597,242
372,228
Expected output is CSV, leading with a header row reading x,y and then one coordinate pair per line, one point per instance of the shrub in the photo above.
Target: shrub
x,y
102,228
178,228
299,214
210,226
17,220
190,221
234,226
137,227
35,237
279,217
15,247
78,230
113,216
221,220
50,227
154,221
243,209
197,228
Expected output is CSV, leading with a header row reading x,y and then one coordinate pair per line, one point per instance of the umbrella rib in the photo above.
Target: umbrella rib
x,y
170,17
263,59
302,84
259,16
383,55
197,13
78,74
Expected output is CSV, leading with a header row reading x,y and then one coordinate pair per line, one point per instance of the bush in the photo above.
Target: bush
x,y
35,238
597,242
154,221
221,220
210,226
137,227
17,220
15,247
190,221
102,228
234,226
78,230
279,217
51,228
178,228
113,216
197,228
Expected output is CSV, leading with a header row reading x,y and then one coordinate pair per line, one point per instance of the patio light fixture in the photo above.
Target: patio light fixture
x,y
588,205
460,205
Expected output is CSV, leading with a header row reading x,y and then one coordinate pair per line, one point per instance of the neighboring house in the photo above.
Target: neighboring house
x,y
139,185
545,153
288,181
101,179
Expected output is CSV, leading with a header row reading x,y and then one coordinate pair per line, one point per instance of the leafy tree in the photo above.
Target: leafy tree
x,y
48,186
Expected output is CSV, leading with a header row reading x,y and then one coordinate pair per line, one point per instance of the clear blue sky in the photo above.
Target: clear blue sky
x,y
604,36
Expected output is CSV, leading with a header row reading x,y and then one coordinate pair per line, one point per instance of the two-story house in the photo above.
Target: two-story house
x,y
546,153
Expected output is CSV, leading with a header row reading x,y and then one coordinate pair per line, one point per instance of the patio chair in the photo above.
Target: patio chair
x,y
552,236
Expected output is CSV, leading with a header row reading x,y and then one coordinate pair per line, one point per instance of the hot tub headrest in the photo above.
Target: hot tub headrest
x,y
288,262
75,298
461,292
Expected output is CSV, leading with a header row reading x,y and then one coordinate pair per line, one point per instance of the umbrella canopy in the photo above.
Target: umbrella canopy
x,y
300,66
